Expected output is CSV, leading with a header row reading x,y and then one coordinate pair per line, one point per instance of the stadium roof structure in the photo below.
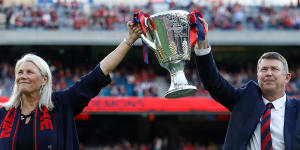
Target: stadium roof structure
x,y
69,37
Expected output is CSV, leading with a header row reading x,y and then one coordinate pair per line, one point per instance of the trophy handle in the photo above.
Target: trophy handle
x,y
145,39
148,42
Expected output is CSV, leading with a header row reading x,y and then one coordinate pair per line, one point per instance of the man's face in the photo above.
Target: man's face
x,y
271,76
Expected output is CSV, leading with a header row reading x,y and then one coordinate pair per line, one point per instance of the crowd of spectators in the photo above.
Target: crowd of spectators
x,y
6,79
79,16
140,82
124,83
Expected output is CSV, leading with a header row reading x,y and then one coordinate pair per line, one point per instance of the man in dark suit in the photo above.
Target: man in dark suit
x,y
262,116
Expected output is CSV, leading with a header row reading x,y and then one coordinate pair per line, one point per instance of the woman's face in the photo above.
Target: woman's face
x,y
29,78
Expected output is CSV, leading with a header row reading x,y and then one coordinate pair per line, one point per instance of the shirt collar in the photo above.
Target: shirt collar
x,y
278,103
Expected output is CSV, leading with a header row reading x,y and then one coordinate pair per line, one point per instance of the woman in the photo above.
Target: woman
x,y
35,118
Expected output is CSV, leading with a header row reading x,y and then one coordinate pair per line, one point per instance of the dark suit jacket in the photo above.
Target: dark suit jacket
x,y
62,135
246,106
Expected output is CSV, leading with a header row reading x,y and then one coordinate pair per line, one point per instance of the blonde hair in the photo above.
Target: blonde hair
x,y
45,91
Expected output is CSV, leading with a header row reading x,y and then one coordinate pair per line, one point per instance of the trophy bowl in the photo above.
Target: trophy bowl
x,y
168,35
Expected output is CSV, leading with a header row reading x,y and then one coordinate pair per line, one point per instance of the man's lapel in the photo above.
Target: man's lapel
x,y
289,123
254,119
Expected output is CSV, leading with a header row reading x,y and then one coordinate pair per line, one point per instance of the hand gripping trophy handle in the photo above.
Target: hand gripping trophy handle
x,y
167,35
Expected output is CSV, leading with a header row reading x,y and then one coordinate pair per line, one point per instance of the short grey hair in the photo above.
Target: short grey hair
x,y
45,91
277,56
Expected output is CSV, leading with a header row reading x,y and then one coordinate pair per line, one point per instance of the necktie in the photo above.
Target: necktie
x,y
266,141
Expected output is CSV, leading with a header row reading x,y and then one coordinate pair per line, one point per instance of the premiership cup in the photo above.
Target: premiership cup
x,y
168,35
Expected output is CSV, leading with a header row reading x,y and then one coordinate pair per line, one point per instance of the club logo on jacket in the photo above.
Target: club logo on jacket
x,y
6,125
45,121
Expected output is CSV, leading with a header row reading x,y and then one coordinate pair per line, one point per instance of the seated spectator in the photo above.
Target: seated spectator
x,y
2,19
258,23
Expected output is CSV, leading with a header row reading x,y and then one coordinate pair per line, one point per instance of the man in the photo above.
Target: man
x,y
262,116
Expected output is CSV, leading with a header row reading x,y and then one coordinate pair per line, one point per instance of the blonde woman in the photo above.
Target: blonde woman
x,y
36,118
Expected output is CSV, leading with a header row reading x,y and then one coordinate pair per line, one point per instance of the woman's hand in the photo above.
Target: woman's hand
x,y
134,31
111,61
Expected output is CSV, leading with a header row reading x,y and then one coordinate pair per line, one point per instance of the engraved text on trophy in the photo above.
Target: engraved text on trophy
x,y
177,25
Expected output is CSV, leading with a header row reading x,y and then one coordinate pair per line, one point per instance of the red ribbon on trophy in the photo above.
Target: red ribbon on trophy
x,y
196,24
139,18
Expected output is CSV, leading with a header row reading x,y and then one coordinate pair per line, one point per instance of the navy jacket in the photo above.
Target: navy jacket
x,y
56,129
246,106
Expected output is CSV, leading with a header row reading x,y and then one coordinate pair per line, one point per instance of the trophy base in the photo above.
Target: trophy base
x,y
184,91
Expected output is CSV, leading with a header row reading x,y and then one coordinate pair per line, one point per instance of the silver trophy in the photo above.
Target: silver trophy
x,y
168,34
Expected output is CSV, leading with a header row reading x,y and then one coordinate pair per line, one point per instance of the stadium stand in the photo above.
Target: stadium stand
x,y
77,16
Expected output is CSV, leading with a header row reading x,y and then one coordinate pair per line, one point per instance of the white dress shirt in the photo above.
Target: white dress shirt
x,y
201,52
276,126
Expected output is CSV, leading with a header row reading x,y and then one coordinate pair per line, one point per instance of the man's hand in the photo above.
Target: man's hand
x,y
204,44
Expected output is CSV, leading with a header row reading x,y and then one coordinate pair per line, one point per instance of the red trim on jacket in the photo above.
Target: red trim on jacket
x,y
35,140
17,127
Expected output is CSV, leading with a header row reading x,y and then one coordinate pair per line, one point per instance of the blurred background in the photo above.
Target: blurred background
x,y
131,113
